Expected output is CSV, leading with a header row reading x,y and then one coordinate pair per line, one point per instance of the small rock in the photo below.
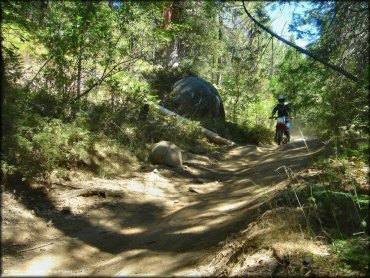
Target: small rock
x,y
307,260
166,153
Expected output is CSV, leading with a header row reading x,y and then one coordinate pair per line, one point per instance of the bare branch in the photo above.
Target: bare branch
x,y
105,75
30,82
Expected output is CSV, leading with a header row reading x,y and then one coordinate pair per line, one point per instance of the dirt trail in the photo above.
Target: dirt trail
x,y
163,222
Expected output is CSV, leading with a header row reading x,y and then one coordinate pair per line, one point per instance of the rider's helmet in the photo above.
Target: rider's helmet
x,y
281,99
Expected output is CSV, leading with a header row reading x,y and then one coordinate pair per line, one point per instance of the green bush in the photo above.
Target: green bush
x,y
45,136
340,213
260,134
240,134
35,151
354,252
47,104
34,144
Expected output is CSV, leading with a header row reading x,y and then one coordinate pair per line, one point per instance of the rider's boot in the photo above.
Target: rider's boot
x,y
288,136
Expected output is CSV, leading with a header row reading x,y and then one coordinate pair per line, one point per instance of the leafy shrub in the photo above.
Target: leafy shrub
x,y
352,146
260,134
354,252
44,136
47,104
37,150
34,144
341,213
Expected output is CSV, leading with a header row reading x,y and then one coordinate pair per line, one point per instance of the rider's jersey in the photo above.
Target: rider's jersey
x,y
283,110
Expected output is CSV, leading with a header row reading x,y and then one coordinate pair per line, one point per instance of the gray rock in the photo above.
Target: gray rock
x,y
307,260
195,97
166,153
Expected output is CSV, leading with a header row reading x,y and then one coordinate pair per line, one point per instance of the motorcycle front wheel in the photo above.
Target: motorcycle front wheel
x,y
279,136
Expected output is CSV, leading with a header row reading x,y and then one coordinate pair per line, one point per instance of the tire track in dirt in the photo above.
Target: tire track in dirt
x,y
247,177
163,229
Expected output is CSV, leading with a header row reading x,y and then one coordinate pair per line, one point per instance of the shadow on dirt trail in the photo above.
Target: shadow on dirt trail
x,y
168,237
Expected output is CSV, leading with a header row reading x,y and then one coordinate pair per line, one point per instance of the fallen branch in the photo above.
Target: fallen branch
x,y
37,247
88,192
209,134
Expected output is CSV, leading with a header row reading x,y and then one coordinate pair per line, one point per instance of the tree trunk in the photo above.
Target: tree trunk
x,y
43,8
112,101
2,69
220,37
237,97
272,57
79,71
174,55
171,51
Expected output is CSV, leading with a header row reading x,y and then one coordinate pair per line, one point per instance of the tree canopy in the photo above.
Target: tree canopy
x,y
65,57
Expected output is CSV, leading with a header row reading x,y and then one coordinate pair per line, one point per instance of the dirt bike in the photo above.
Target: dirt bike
x,y
282,130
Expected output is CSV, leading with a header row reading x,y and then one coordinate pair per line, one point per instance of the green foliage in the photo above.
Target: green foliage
x,y
34,144
353,146
184,133
247,134
260,134
324,98
353,252
37,150
335,200
161,81
118,57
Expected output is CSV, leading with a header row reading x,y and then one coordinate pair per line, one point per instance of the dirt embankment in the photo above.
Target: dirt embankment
x,y
154,222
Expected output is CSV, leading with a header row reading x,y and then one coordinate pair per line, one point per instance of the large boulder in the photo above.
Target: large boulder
x,y
194,97
166,153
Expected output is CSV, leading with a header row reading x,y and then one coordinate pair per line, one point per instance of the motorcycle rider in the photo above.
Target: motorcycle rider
x,y
283,108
